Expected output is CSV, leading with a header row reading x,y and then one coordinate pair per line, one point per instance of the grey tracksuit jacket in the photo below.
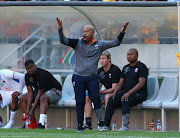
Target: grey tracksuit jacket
x,y
87,57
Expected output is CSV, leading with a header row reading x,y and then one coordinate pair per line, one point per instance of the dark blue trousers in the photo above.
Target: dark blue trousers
x,y
81,84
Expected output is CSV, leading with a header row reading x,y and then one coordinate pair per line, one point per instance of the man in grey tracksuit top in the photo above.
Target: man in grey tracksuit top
x,y
87,52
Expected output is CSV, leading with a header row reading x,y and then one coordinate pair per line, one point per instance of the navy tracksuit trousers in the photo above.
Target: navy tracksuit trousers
x,y
81,84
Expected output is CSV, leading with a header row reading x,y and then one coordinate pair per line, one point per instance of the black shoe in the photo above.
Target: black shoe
x,y
87,127
80,128
106,128
101,125
40,126
23,127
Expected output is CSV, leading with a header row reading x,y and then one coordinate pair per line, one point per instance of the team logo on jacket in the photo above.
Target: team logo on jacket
x,y
126,69
73,83
96,46
110,75
136,70
102,75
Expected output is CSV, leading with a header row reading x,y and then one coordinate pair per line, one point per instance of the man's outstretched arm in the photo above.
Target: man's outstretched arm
x,y
59,23
69,42
121,35
124,27
117,41
36,102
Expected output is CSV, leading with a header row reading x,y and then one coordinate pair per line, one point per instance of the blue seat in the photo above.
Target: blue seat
x,y
68,96
172,104
153,89
166,106
58,78
168,92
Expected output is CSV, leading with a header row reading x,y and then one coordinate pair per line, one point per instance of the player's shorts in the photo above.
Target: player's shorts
x,y
54,95
6,98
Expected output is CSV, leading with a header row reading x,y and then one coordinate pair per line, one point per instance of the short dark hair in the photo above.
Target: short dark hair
x,y
29,61
134,49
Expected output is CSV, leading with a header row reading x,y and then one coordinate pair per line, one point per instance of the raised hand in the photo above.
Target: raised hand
x,y
59,22
124,28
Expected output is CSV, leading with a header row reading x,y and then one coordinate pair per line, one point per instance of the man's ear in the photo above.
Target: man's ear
x,y
93,32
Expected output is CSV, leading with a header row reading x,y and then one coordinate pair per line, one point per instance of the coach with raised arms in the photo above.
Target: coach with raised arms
x,y
87,52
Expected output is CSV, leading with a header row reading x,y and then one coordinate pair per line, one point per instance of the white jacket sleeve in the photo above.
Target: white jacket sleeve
x,y
21,79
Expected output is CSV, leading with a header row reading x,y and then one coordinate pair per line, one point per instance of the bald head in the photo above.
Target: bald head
x,y
132,55
133,50
88,34
89,27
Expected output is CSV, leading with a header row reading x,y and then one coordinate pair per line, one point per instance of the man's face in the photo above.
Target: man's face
x,y
88,34
104,61
31,69
132,56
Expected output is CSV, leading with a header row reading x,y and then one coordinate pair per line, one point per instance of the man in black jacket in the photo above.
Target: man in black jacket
x,y
131,90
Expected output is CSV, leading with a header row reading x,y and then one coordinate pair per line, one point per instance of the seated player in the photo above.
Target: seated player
x,y
47,90
11,87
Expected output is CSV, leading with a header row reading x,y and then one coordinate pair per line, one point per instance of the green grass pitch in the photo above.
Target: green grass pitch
x,y
54,133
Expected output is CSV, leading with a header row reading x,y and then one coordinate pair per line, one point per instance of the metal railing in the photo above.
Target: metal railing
x,y
22,44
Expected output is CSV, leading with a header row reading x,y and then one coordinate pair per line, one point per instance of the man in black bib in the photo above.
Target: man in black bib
x,y
109,76
42,88
131,90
